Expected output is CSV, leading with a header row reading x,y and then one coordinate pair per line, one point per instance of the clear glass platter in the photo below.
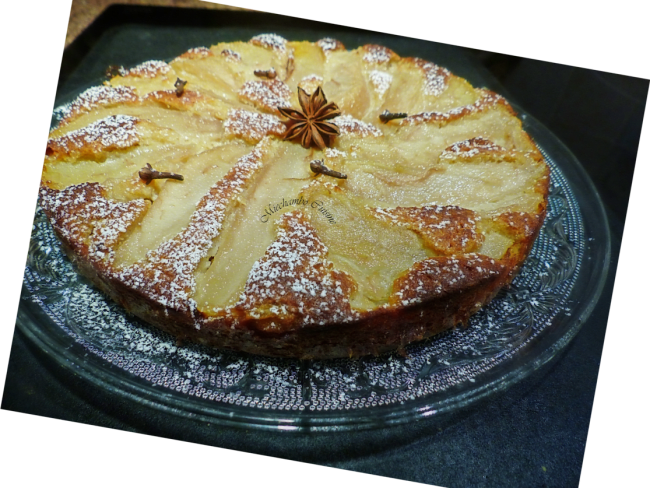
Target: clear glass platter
x,y
523,328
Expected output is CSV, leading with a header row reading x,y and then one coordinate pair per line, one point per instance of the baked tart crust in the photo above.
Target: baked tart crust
x,y
433,211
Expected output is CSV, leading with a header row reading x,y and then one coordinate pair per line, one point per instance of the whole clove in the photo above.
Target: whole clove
x,y
386,116
318,167
180,86
147,174
269,73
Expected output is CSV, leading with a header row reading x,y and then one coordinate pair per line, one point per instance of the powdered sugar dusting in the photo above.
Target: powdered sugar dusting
x,y
469,148
294,278
517,224
195,53
488,99
272,41
81,214
252,126
112,132
381,81
94,97
266,94
332,152
377,54
166,275
348,125
436,78
328,45
148,69
202,51
230,55
436,276
310,83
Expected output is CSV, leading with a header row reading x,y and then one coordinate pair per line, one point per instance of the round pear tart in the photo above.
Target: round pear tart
x,y
294,199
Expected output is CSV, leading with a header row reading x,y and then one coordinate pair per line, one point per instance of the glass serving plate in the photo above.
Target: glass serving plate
x,y
522,329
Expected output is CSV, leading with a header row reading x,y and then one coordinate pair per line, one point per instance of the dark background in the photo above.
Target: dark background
x,y
534,434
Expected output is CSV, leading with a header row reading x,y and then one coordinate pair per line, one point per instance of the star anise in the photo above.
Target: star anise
x,y
309,125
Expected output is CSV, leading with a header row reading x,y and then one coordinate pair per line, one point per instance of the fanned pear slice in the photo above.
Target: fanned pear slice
x,y
250,228
263,52
100,102
146,77
176,201
405,168
418,86
371,251
78,155
480,186
405,93
212,74
308,71
345,83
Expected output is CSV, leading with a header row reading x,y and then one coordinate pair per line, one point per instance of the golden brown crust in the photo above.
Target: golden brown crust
x,y
270,41
478,149
329,45
89,223
148,69
253,126
170,99
103,95
375,54
487,100
267,95
293,285
446,230
439,276
437,77
519,225
197,53
113,132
